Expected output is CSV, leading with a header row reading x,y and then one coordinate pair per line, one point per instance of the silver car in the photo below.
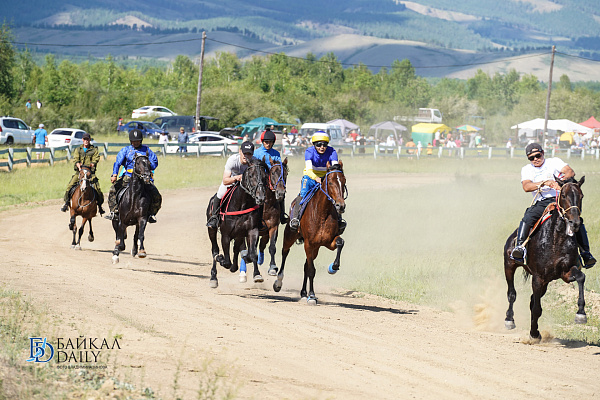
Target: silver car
x,y
15,131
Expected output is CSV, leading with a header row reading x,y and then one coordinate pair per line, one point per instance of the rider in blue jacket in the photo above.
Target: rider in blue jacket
x,y
126,158
315,158
267,152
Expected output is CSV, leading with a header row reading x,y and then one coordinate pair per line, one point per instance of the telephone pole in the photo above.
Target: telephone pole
x,y
548,99
198,100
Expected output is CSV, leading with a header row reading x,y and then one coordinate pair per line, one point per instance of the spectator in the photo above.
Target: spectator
x,y
183,139
39,104
294,130
28,104
40,140
164,138
361,142
410,147
429,149
354,135
120,125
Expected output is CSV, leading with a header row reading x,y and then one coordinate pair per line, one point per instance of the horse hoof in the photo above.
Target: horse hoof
x,y
509,325
233,268
90,238
273,270
331,270
580,319
311,300
72,246
213,283
115,259
535,340
122,248
142,254
258,279
277,285
243,277
77,247
261,257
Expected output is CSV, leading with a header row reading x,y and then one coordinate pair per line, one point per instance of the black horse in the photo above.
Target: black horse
x,y
552,253
134,208
240,222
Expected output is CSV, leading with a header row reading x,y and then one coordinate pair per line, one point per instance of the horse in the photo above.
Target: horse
x,y
83,203
318,228
134,208
552,253
271,213
240,221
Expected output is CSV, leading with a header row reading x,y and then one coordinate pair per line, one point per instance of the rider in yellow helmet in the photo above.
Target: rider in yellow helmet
x,y
316,158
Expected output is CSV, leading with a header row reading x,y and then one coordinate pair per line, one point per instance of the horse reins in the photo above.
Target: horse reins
x,y
281,178
134,172
253,191
81,192
562,211
344,189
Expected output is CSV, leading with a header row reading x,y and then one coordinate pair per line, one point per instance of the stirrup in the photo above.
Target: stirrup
x,y
151,219
294,224
518,254
213,222
113,216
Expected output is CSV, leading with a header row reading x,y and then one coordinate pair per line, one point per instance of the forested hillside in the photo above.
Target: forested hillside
x,y
276,86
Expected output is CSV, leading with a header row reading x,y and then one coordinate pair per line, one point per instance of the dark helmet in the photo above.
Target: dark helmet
x,y
135,135
268,135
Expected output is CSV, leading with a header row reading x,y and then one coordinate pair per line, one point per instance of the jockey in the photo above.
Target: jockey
x,y
86,155
126,158
538,177
267,152
234,169
315,168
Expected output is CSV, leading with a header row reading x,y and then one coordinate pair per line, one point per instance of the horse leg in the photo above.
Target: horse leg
x,y
141,237
252,254
535,305
225,245
136,235
91,234
73,228
288,240
335,265
579,276
237,245
262,244
120,241
303,294
83,221
509,271
309,270
272,250
212,234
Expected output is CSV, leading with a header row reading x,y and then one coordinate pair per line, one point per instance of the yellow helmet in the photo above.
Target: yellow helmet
x,y
320,136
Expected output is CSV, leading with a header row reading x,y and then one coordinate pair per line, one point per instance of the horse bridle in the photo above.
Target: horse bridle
x,y
281,177
250,191
85,180
562,211
144,176
344,189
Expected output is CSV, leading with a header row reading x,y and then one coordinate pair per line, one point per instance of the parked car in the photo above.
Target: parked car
x,y
65,136
172,124
215,140
148,128
230,133
15,131
151,111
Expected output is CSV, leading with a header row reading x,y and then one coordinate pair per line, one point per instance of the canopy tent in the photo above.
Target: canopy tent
x,y
250,128
555,125
387,126
425,132
468,128
591,123
345,124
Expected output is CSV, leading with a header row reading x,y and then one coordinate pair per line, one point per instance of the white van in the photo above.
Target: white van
x,y
336,137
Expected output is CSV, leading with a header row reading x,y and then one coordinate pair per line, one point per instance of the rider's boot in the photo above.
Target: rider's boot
x,y
151,219
519,252
584,247
65,207
213,220
101,210
294,219
283,218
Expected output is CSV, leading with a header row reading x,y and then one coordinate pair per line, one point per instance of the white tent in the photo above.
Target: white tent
x,y
347,125
555,125
387,126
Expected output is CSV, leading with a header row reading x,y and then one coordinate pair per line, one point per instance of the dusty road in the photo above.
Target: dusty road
x,y
271,345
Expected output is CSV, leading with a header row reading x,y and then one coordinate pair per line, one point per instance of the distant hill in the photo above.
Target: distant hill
x,y
430,33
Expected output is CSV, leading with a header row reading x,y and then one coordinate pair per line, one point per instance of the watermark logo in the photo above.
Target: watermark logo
x,y
37,350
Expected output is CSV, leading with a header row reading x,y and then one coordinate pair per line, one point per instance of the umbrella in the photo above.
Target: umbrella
x,y
468,128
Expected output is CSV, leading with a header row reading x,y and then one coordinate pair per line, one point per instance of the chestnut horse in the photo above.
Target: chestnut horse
x,y
552,253
271,213
83,203
318,228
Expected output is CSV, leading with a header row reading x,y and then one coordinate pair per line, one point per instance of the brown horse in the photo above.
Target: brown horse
x,y
271,213
552,253
83,203
318,228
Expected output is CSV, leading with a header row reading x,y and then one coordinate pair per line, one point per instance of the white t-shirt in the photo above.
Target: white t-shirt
x,y
163,139
234,165
550,168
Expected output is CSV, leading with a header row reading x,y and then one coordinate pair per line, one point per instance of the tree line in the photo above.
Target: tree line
x,y
278,86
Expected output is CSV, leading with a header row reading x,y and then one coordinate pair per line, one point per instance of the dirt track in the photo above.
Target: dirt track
x,y
351,346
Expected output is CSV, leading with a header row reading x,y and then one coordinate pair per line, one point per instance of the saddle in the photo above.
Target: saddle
x,y
120,193
304,201
72,190
224,204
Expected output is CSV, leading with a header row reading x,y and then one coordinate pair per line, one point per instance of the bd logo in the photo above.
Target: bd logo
x,y
38,350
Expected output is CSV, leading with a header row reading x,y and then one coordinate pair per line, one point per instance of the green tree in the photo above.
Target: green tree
x,y
7,62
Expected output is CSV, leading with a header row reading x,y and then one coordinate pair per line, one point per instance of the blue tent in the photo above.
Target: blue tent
x,y
258,125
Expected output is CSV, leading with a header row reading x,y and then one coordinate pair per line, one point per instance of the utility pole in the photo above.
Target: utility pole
x,y
548,98
198,100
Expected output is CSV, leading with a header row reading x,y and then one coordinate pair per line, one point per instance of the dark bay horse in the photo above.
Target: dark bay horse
x,y
271,213
240,221
318,228
552,253
83,203
134,208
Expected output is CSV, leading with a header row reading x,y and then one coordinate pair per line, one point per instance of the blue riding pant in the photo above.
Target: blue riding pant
x,y
307,185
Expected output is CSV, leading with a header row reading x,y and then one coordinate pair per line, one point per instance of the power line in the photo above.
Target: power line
x,y
106,45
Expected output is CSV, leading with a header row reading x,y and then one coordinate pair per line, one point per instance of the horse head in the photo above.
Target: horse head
x,y
278,178
569,203
334,185
84,176
141,167
254,180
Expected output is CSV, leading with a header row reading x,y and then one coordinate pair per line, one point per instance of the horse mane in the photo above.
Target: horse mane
x,y
335,167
